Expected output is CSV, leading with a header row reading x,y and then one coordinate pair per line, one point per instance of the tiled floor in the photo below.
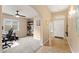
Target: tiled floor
x,y
57,46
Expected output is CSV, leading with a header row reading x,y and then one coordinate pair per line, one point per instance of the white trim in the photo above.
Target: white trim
x,y
11,23
69,45
41,42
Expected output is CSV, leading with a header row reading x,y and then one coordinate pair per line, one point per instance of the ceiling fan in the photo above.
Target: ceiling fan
x,y
19,15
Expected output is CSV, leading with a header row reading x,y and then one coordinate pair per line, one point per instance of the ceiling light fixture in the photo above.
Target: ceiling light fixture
x,y
19,15
72,11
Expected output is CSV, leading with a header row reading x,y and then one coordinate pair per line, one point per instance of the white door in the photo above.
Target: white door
x,y
59,28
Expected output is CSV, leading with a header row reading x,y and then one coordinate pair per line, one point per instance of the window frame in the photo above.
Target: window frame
x,y
11,23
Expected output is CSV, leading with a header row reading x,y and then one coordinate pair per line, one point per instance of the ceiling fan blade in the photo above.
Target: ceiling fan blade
x,y
22,15
17,13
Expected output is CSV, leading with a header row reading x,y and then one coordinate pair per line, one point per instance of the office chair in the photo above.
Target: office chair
x,y
7,38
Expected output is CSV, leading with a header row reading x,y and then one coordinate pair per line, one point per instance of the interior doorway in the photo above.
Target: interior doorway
x,y
58,28
30,27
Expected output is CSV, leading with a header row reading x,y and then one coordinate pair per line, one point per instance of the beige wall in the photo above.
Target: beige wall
x,y
73,38
0,29
22,24
46,17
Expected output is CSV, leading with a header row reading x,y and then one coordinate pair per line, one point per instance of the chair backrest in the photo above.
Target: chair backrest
x,y
10,33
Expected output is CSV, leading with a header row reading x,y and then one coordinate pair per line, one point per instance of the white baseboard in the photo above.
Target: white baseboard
x,y
41,43
69,45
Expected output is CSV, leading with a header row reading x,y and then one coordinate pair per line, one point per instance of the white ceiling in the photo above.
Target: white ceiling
x,y
29,11
25,10
57,8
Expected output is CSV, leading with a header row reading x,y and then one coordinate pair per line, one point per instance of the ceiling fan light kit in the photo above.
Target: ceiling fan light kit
x,y
17,16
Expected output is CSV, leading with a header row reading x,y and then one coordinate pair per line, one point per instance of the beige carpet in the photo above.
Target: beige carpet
x,y
24,45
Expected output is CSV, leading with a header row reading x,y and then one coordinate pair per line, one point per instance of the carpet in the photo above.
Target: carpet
x,y
24,45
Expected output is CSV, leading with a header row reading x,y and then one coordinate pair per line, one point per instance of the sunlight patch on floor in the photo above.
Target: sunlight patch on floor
x,y
15,44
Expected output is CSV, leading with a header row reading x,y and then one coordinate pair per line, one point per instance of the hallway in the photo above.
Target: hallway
x,y
57,46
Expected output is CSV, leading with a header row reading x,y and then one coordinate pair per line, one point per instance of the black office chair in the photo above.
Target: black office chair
x,y
6,38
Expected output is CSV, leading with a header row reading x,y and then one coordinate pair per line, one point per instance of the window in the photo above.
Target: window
x,y
77,18
11,23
